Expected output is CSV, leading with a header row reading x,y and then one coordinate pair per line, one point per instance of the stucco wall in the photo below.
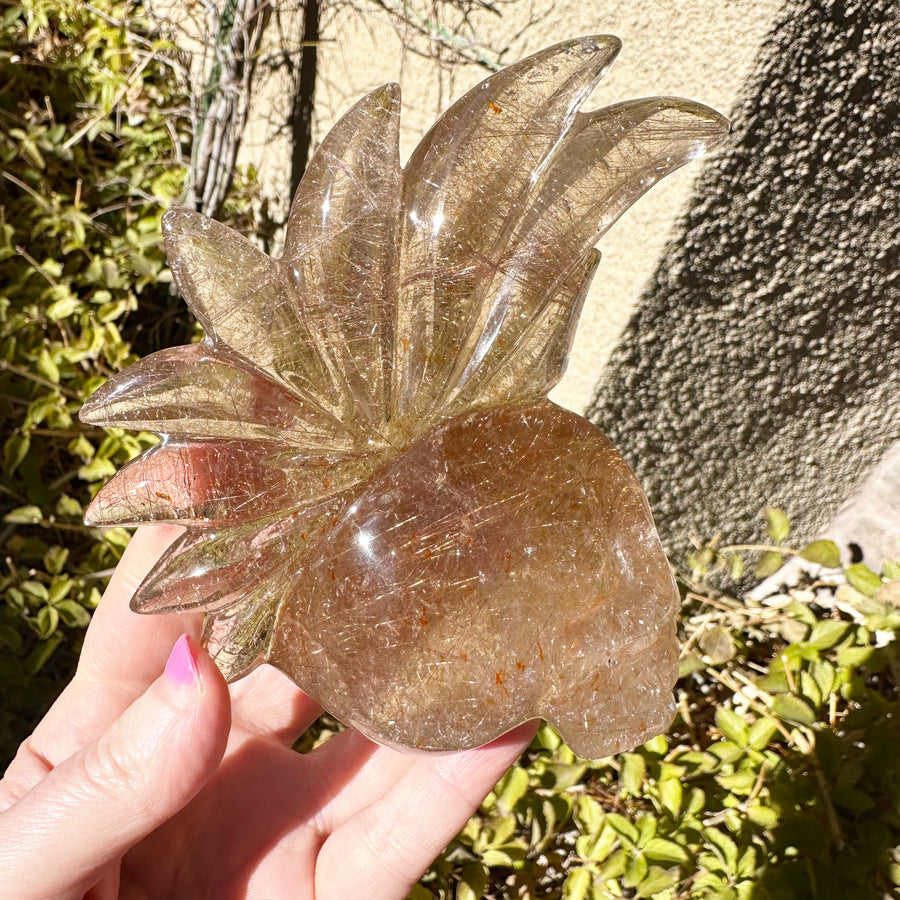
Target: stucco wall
x,y
763,364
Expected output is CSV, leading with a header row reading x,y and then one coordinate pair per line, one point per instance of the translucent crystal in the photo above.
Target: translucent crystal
x,y
378,497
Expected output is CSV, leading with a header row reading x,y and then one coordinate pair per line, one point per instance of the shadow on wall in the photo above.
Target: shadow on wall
x,y
763,364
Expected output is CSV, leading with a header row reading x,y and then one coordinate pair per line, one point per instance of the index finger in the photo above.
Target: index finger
x,y
123,646
123,654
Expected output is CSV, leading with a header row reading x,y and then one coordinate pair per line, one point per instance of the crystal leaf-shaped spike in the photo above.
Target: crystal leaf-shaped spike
x,y
238,637
529,359
242,299
222,482
341,248
212,393
211,570
465,187
604,163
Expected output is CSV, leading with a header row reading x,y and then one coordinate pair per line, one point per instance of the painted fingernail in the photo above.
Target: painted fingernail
x,y
181,667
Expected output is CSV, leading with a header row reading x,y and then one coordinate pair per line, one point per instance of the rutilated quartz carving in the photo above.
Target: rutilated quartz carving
x,y
378,497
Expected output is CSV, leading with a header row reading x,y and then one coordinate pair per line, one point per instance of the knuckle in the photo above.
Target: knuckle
x,y
113,769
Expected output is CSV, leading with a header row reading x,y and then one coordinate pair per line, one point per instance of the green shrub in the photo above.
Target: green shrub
x,y
90,157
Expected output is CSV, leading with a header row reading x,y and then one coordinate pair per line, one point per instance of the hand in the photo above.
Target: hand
x,y
145,783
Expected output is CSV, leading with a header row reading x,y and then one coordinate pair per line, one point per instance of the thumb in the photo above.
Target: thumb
x,y
94,806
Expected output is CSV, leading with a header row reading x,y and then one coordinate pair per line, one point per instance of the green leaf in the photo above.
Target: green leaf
x,y
614,867
47,367
54,559
778,526
472,882
769,563
725,845
82,447
41,654
736,567
891,569
506,857
117,538
513,788
809,689
793,709
740,783
727,751
68,507
854,657
647,825
761,732
623,826
665,850
40,408
825,676
863,579
588,813
696,801
732,726
96,470
635,870
671,795
24,515
60,585
15,449
73,614
577,884
822,553
658,745
747,863
566,774
47,620
36,591
827,633
547,737
656,881
596,846
631,777
15,600
764,816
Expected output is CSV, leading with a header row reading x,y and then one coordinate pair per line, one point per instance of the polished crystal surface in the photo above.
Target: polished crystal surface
x,y
377,496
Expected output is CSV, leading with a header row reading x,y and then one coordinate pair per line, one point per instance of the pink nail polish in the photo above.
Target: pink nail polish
x,y
182,664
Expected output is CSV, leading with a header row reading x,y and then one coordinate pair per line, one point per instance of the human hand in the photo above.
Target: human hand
x,y
141,783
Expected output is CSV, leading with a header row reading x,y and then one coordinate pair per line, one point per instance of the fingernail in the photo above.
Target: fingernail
x,y
181,667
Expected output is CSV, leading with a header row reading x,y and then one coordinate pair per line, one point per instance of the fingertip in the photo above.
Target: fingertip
x,y
181,666
191,678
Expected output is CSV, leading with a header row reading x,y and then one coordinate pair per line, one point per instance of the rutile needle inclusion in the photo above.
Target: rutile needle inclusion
x,y
378,497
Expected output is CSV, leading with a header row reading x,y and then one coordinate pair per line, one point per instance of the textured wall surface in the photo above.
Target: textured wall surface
x,y
763,364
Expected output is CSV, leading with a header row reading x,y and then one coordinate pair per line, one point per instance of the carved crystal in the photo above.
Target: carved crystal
x,y
377,496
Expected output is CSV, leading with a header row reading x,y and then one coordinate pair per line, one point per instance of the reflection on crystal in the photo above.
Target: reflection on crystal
x,y
379,500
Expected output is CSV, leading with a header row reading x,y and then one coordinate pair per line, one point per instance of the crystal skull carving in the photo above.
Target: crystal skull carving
x,y
378,498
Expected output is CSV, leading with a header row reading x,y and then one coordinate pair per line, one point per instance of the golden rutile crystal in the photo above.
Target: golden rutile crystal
x,y
378,497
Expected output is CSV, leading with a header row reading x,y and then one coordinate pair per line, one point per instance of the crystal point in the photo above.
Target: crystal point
x,y
378,497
